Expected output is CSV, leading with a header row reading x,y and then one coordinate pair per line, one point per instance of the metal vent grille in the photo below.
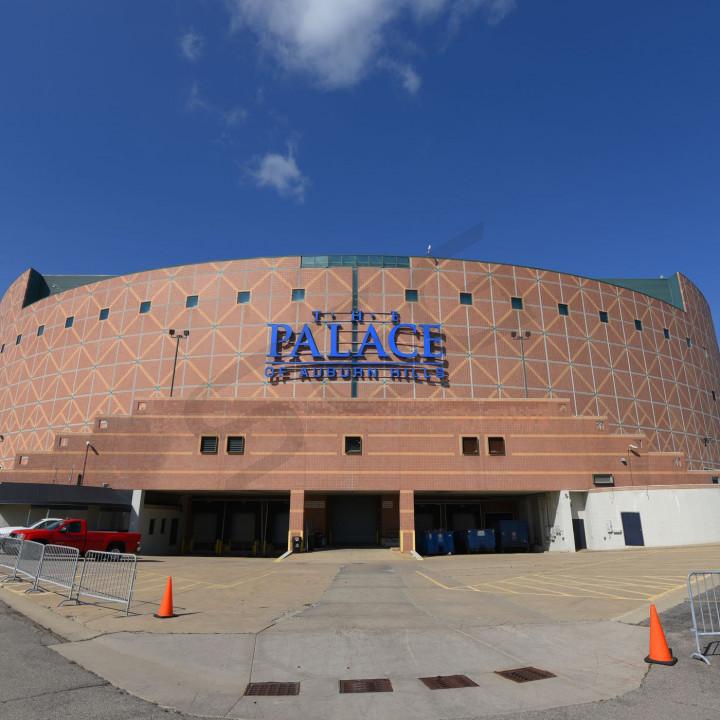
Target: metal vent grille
x,y
448,682
209,445
236,445
526,674
273,688
366,686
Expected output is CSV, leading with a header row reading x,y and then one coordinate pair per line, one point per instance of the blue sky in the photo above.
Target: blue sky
x,y
582,136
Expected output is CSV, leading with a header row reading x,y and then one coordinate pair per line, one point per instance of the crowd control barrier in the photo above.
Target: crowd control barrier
x,y
29,560
108,576
9,554
704,597
57,567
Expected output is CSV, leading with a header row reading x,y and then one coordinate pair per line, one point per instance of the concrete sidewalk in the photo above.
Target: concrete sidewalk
x,y
367,625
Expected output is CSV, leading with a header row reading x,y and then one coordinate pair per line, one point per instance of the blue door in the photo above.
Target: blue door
x,y
632,527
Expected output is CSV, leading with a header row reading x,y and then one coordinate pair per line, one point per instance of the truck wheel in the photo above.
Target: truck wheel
x,y
116,548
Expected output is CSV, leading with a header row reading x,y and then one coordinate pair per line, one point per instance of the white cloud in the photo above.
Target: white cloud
x,y
336,42
195,99
405,73
234,116
192,45
281,173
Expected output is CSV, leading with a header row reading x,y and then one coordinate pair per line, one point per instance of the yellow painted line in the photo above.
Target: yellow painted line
x,y
589,588
682,586
438,583
227,586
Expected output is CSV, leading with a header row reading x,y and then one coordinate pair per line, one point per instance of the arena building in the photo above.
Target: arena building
x,y
355,399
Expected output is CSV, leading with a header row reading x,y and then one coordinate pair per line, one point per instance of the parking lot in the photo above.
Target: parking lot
x,y
246,594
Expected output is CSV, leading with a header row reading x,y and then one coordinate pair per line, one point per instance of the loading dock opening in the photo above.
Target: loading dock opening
x,y
351,520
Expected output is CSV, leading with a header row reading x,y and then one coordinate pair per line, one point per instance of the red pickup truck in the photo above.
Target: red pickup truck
x,y
74,533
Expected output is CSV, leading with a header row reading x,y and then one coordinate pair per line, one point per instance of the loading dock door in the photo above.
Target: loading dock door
x,y
632,528
354,519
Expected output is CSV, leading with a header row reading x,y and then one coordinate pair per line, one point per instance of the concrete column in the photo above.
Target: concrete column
x,y
138,500
297,515
561,535
407,521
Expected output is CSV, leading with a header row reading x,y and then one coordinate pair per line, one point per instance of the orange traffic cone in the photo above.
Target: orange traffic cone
x,y
660,653
166,606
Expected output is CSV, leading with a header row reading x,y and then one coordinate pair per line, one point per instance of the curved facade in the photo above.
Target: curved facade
x,y
646,365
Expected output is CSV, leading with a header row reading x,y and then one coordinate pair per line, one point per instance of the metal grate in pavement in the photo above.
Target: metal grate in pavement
x,y
273,688
448,682
366,686
525,674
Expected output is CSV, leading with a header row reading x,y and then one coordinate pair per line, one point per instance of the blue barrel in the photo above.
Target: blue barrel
x,y
512,535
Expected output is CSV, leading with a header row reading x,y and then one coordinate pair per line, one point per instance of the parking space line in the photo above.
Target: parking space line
x,y
227,586
438,583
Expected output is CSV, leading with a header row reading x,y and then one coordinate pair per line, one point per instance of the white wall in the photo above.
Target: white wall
x,y
688,516
13,515
159,542
555,520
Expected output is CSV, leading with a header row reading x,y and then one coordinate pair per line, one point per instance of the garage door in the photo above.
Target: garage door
x,y
354,519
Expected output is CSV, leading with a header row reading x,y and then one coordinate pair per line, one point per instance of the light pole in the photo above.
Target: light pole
x,y
177,336
632,450
706,464
88,447
522,336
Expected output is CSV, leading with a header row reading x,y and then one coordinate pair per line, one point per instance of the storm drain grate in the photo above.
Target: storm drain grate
x,y
526,674
273,688
366,686
448,682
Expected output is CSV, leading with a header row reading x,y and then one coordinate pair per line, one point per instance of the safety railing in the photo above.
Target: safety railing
x,y
704,597
29,560
9,554
57,567
108,576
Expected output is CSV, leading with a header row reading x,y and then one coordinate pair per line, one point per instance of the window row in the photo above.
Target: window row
x,y
352,445
298,295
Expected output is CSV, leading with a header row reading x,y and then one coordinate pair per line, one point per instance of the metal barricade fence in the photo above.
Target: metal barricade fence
x,y
704,597
9,554
58,567
29,559
108,576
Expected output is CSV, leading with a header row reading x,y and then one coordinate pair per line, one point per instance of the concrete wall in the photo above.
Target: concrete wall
x,y
669,516
159,542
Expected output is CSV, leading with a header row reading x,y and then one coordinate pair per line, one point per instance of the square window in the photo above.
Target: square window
x,y
298,294
470,445
411,295
715,480
516,303
18,339
191,301
601,480
41,330
69,322
603,316
496,446
236,445
209,445
243,297
145,307
465,298
104,314
666,333
638,325
353,445
563,309
689,342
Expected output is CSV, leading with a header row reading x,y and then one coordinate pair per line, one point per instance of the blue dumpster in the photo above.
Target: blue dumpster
x,y
512,535
434,542
446,542
475,540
